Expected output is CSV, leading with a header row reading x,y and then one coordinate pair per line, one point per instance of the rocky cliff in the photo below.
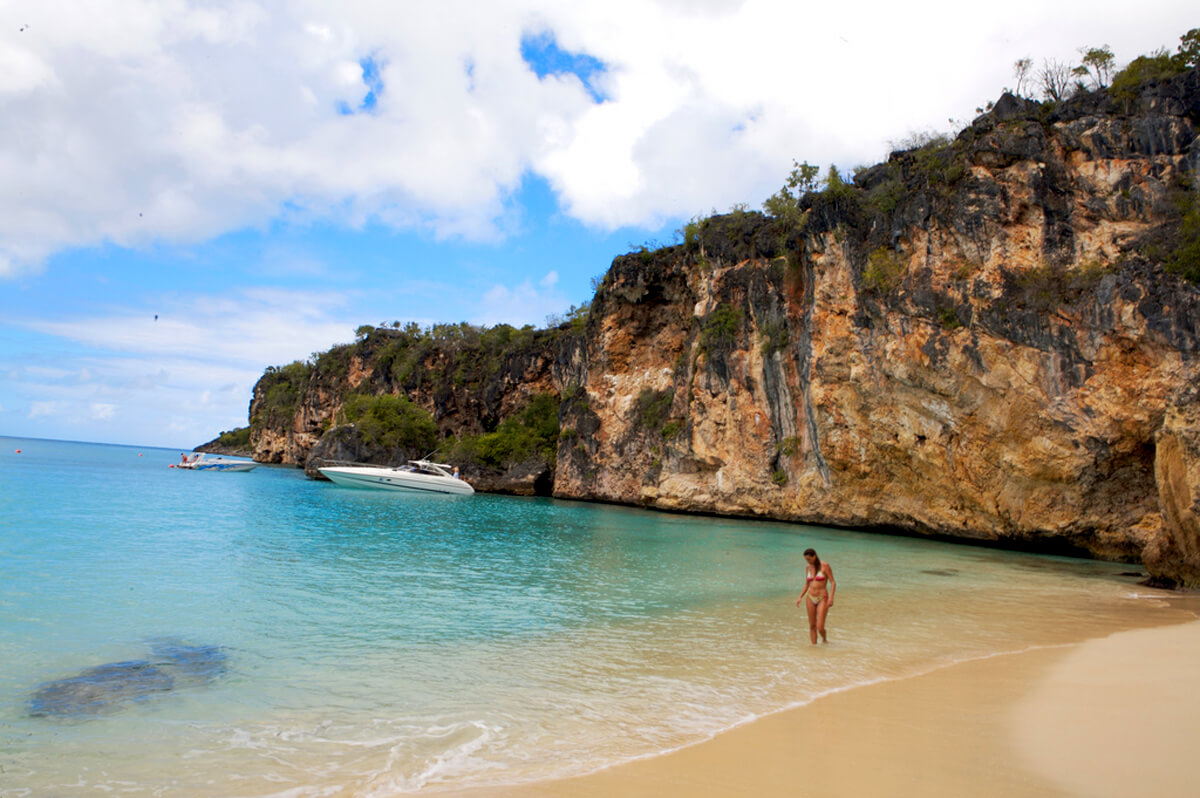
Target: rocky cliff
x,y
978,339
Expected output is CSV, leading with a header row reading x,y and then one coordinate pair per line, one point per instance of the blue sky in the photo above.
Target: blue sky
x,y
194,191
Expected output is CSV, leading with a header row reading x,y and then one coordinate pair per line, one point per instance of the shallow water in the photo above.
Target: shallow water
x,y
378,643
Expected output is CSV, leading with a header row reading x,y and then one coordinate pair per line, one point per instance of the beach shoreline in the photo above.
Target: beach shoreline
x,y
1106,716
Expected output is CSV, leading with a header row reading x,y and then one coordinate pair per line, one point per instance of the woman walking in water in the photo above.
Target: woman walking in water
x,y
819,587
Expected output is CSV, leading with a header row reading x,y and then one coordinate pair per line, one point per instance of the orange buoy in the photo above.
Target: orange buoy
x,y
18,451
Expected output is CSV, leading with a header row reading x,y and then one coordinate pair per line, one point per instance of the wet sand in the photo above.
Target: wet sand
x,y
1115,716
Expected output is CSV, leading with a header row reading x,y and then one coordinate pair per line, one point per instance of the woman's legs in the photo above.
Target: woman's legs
x,y
812,618
822,610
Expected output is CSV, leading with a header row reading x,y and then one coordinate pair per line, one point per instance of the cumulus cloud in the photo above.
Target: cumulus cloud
x,y
521,304
257,327
180,121
101,411
191,371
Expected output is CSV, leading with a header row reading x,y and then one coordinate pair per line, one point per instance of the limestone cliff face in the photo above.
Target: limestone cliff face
x,y
975,340
995,357
1175,555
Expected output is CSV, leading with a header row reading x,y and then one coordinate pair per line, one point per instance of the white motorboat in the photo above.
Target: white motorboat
x,y
420,476
203,462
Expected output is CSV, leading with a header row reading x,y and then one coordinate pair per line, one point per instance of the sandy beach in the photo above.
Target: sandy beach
x,y
1115,716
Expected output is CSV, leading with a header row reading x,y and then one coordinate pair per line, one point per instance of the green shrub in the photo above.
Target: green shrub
x,y
884,271
938,166
837,188
654,407
774,336
718,331
785,203
948,318
788,447
780,477
1159,65
1185,258
885,197
235,438
1189,48
280,389
1052,285
391,422
531,433
336,361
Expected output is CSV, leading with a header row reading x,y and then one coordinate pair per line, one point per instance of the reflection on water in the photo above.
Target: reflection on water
x,y
318,638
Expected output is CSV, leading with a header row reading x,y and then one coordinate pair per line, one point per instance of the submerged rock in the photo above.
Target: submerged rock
x,y
109,687
190,664
100,689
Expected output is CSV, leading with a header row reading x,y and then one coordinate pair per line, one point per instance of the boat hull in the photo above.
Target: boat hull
x,y
393,479
217,464
226,467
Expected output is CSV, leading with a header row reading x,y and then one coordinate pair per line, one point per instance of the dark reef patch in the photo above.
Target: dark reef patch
x,y
100,689
109,687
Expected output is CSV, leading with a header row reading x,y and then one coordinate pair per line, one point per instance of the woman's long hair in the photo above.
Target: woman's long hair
x,y
816,559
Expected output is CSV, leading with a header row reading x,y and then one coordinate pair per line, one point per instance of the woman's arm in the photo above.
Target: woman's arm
x,y
832,583
803,592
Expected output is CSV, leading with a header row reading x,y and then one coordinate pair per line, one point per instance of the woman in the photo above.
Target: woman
x,y
819,587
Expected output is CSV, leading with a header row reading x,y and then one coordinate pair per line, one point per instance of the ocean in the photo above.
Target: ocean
x,y
175,633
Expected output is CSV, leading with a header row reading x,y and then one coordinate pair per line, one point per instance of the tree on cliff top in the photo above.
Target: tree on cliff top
x,y
785,203
1189,48
1055,80
1022,71
1098,63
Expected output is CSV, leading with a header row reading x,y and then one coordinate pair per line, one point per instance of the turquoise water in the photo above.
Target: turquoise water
x,y
378,643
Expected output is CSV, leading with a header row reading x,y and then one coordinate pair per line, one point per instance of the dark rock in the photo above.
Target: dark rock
x,y
191,664
1009,106
107,688
100,689
533,478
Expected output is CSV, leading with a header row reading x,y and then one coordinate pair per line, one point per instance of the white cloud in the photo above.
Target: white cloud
x,y
21,71
41,409
256,328
521,304
179,121
101,411
190,372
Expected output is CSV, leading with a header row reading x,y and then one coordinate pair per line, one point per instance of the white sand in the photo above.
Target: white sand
x,y
1118,716
1115,716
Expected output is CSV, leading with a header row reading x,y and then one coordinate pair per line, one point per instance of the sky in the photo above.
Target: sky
x,y
192,191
